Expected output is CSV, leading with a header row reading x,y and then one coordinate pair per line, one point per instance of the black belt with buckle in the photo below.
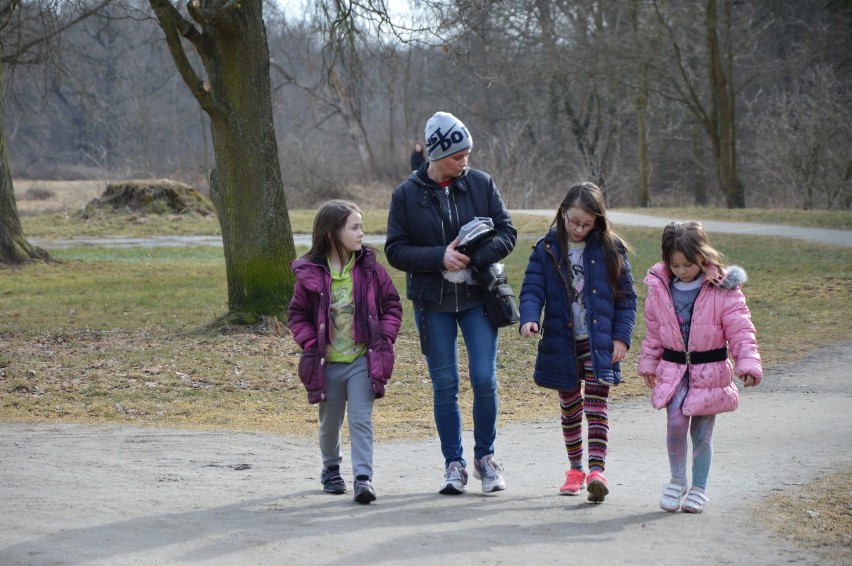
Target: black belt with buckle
x,y
692,358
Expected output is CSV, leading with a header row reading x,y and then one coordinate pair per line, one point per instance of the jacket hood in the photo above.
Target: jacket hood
x,y
367,254
422,179
735,276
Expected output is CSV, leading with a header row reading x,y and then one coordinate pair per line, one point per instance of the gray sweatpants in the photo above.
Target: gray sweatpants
x,y
347,384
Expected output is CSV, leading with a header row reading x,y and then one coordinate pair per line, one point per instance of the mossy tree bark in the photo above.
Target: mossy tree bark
x,y
25,44
14,247
246,185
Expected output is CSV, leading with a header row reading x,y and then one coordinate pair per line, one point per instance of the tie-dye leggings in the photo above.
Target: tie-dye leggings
x,y
701,430
573,404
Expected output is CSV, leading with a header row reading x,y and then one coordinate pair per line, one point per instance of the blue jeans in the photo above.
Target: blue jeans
x,y
439,342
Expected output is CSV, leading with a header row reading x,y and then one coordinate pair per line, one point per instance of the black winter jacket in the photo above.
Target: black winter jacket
x,y
425,218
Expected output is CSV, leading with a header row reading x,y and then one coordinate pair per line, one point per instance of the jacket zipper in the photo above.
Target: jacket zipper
x,y
665,285
450,207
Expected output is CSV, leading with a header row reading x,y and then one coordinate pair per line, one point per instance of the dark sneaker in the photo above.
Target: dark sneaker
x,y
455,480
364,492
488,470
332,482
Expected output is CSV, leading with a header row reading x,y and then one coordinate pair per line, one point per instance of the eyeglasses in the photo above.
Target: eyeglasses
x,y
574,223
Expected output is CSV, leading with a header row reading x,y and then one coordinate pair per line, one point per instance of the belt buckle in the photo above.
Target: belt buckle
x,y
688,361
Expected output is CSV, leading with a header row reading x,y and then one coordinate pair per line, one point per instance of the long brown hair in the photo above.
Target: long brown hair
x,y
330,219
690,239
589,198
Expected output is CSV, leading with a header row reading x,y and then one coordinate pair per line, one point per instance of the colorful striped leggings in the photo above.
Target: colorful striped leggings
x,y
594,405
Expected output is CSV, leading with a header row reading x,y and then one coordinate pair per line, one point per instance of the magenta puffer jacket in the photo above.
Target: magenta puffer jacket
x,y
720,318
378,316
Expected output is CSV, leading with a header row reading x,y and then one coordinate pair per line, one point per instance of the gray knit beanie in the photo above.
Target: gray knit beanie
x,y
445,135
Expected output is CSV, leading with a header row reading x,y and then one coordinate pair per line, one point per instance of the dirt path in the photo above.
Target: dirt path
x,y
116,495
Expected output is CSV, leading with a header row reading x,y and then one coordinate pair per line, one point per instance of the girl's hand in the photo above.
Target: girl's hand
x,y
619,350
528,329
650,380
748,380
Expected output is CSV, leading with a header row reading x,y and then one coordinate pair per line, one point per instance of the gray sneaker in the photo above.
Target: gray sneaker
x,y
455,480
489,472
332,482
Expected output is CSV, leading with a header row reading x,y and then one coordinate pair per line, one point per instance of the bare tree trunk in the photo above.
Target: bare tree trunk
x,y
591,129
699,180
717,117
722,93
246,186
641,106
14,247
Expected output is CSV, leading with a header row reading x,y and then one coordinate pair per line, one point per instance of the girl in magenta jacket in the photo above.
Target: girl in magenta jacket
x,y
345,314
696,317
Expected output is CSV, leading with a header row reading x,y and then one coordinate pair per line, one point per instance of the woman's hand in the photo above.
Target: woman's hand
x,y
528,329
454,260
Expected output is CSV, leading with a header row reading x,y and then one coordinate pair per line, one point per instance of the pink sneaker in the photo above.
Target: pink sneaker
x,y
575,480
597,487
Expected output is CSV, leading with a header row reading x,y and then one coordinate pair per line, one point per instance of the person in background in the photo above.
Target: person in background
x,y
426,214
345,314
417,157
578,273
695,318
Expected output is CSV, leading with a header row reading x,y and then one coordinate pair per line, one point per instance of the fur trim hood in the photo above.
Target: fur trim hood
x,y
735,276
732,277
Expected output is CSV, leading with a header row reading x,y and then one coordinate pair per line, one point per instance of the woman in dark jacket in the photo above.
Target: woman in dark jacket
x,y
426,214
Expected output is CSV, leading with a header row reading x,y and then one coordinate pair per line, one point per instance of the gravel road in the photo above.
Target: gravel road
x,y
110,495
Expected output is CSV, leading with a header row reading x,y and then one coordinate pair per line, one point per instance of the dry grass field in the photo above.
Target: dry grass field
x,y
49,197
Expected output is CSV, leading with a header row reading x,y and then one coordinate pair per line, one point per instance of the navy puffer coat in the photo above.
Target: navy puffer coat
x,y
547,287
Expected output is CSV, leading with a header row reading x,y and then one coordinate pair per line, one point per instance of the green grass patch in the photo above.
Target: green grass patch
x,y
837,219
102,225
121,335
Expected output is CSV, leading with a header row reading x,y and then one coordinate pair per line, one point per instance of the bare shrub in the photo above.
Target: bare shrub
x,y
39,193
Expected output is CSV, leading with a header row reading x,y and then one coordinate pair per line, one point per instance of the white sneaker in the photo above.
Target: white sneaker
x,y
489,472
673,494
455,480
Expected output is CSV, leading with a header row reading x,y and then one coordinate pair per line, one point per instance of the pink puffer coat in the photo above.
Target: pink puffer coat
x,y
720,318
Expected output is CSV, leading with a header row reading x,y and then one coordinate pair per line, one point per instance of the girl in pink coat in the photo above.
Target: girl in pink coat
x,y
696,317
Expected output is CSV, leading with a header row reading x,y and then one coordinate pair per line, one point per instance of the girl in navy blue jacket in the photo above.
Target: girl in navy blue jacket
x,y
579,275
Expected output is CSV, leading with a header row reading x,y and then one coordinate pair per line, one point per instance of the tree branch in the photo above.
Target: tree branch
x,y
175,26
7,10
